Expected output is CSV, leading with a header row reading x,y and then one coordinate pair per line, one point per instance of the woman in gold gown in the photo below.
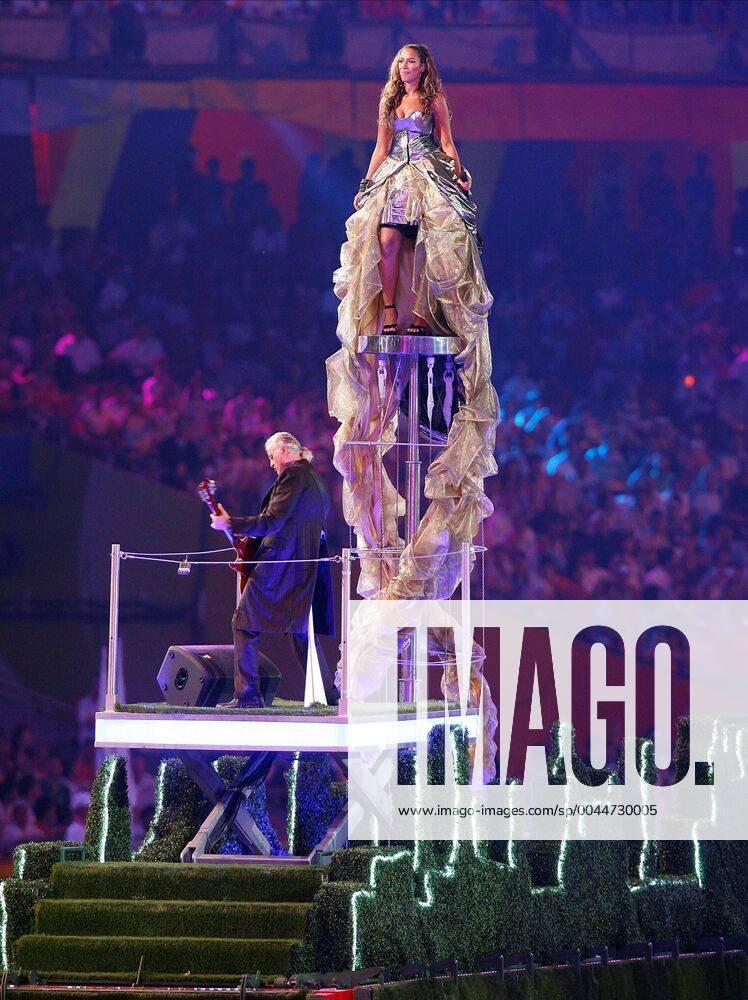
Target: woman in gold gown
x,y
411,263
414,170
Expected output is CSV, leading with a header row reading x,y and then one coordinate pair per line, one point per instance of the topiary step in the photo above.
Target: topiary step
x,y
169,918
140,880
153,981
168,955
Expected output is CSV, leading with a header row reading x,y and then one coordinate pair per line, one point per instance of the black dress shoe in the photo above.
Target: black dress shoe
x,y
251,701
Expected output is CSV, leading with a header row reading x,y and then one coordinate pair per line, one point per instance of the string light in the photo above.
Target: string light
x,y
561,867
292,794
698,863
739,752
648,856
449,871
110,764
159,808
368,894
354,924
4,929
645,862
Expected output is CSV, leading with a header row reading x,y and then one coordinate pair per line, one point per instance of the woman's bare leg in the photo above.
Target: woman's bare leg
x,y
390,241
420,321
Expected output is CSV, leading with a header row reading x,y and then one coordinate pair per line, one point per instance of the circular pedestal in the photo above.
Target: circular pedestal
x,y
402,343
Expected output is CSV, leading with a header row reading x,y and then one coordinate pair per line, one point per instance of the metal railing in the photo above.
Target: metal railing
x,y
346,559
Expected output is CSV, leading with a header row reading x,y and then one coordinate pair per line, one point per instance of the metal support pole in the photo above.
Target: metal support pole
x,y
345,611
408,652
111,675
413,463
407,660
467,624
465,559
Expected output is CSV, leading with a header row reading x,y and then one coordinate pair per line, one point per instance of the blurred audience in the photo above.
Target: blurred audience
x,y
620,357
619,339
45,788
609,12
41,788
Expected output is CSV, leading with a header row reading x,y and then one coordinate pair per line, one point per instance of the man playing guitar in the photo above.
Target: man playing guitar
x,y
279,591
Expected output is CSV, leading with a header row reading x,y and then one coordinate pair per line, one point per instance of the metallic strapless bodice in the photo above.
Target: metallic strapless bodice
x,y
414,136
400,190
415,121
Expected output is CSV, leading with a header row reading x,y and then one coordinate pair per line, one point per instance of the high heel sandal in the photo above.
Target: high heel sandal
x,y
418,330
390,328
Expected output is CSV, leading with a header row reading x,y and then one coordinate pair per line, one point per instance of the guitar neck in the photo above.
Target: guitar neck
x,y
213,505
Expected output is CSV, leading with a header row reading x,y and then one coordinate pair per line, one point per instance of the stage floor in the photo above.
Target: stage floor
x,y
283,726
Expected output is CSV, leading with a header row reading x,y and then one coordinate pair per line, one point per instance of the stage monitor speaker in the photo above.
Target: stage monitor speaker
x,y
204,675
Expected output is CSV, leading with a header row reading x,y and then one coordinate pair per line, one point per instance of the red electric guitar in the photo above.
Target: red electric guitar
x,y
246,547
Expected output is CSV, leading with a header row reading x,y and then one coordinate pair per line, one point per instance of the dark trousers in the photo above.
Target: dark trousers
x,y
246,663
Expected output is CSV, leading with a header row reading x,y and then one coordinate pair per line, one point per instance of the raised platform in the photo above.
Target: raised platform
x,y
280,707
282,728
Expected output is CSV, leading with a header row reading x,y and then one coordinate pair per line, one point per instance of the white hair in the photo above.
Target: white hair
x,y
292,443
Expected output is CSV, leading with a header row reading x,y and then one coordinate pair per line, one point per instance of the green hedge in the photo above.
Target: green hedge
x,y
353,864
673,909
328,941
180,809
168,955
228,767
477,906
165,918
108,831
725,864
314,800
697,978
19,899
591,906
544,897
390,917
467,905
34,859
280,706
136,880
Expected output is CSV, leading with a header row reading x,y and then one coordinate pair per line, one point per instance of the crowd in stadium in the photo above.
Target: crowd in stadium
x,y
424,11
45,790
173,345
618,342
130,33
620,359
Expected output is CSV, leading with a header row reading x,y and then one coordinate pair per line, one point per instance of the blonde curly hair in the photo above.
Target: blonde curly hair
x,y
429,86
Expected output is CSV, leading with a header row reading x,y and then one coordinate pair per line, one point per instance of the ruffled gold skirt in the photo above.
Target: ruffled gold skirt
x,y
440,279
